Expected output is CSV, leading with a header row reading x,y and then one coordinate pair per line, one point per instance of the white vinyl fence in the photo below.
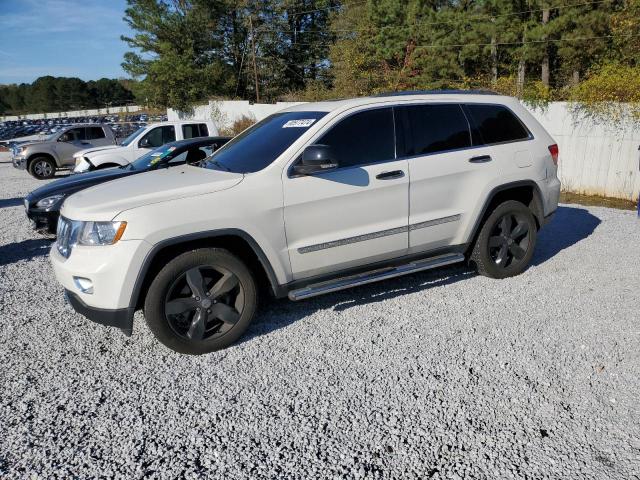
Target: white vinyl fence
x,y
595,159
74,113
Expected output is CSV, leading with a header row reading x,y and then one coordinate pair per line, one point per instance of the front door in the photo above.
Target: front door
x,y
356,214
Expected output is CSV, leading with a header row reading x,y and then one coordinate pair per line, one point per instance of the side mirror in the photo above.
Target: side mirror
x,y
64,138
144,143
316,158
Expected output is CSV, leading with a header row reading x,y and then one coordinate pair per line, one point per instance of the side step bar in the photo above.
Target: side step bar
x,y
374,276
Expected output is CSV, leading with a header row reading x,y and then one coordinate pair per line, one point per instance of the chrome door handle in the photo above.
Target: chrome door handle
x,y
390,175
480,159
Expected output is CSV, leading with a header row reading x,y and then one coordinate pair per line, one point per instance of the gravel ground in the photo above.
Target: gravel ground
x,y
443,374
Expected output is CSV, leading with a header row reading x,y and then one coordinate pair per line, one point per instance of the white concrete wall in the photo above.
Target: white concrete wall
x,y
595,158
74,113
225,112
600,159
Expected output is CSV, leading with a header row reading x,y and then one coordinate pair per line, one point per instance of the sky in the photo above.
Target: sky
x,y
70,38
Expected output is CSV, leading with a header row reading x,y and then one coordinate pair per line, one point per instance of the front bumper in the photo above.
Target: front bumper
x,y
43,221
121,318
112,270
19,162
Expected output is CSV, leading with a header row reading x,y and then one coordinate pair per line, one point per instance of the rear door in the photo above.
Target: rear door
x,y
353,215
448,173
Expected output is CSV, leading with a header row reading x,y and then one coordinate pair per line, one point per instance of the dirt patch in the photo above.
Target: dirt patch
x,y
594,200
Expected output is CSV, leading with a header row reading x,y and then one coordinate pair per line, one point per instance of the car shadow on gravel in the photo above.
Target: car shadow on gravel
x,y
25,250
569,226
10,202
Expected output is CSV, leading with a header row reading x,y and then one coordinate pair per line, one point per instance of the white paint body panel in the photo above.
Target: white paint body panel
x,y
283,214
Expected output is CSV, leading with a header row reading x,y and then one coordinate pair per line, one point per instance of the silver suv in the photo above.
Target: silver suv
x,y
43,157
313,199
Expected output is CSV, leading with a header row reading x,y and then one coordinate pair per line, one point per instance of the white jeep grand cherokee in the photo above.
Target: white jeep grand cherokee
x,y
313,199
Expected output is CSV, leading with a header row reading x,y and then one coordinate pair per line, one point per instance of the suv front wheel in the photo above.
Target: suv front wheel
x,y
201,301
506,241
42,168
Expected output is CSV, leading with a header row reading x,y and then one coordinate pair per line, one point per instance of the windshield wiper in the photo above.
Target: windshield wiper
x,y
218,164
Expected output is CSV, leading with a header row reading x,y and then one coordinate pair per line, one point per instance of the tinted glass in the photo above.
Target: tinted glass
x,y
94,133
496,123
132,137
76,134
191,131
362,138
204,131
436,128
258,146
159,136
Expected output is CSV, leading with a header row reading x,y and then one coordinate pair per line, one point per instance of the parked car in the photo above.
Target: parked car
x,y
43,204
140,142
313,199
42,158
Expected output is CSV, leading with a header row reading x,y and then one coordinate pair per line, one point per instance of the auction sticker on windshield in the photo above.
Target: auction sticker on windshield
x,y
302,123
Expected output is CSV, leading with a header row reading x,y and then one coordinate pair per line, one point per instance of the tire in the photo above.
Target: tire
x,y
506,242
209,316
42,168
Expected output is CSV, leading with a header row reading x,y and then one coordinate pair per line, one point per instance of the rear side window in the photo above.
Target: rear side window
x,y
194,130
94,133
362,138
159,136
434,128
496,124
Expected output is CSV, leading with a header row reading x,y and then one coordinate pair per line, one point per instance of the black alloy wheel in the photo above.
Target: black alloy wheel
x,y
506,241
201,301
509,240
204,302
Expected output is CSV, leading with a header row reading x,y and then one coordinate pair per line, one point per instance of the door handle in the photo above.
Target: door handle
x,y
480,159
390,175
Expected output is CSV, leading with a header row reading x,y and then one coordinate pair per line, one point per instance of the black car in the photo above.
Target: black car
x,y
44,203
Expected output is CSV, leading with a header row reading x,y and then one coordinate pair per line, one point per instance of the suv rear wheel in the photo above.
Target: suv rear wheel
x,y
42,168
506,241
201,301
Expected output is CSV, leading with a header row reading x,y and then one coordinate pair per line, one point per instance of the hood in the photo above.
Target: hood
x,y
73,183
103,202
87,151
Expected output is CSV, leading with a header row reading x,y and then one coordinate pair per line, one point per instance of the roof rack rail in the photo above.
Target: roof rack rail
x,y
436,92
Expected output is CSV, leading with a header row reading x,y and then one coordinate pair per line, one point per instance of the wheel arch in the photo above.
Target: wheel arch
x,y
236,241
525,191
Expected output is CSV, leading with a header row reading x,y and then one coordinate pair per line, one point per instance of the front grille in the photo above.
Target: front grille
x,y
67,236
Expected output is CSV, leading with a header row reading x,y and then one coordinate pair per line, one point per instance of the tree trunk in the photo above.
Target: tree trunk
x,y
545,57
575,80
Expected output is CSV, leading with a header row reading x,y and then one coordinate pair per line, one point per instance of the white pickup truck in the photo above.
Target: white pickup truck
x,y
141,142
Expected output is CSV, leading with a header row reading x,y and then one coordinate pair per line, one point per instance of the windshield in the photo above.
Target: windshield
x,y
154,157
131,137
260,145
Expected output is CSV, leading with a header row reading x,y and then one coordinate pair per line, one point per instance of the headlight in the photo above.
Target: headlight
x,y
72,232
100,233
49,202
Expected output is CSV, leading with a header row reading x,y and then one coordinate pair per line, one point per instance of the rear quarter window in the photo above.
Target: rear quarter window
x,y
496,124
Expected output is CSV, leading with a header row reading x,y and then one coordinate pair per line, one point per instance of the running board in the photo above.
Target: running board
x,y
374,276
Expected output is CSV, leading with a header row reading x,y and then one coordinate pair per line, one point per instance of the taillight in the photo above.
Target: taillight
x,y
554,151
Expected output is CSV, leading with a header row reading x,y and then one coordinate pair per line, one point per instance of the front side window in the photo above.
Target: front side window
x,y
259,146
362,138
496,124
159,136
434,128
75,134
